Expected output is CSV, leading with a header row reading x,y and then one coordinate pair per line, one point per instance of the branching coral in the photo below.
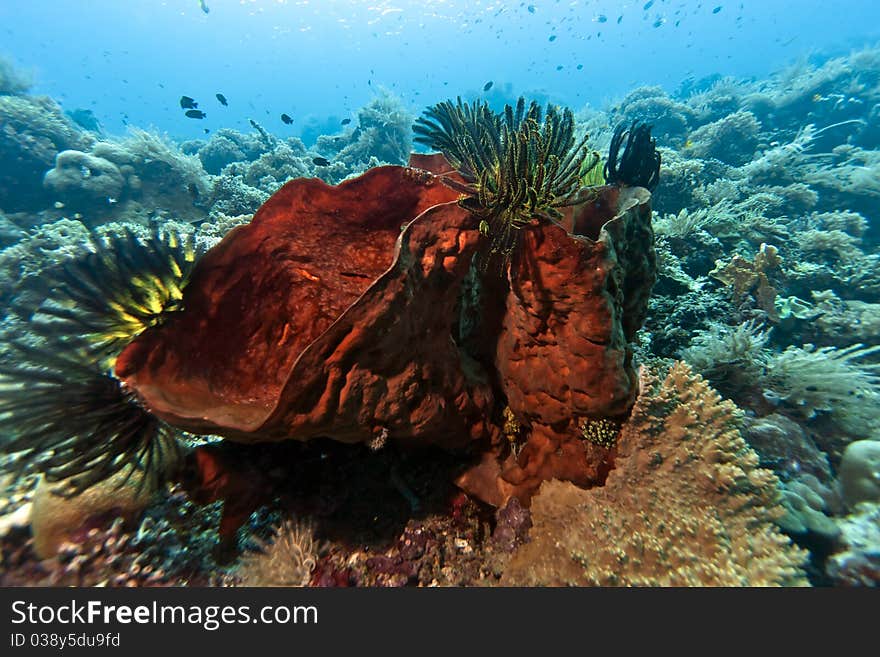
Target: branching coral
x,y
382,136
685,505
227,146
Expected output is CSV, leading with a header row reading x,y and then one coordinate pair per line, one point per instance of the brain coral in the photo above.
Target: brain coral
x,y
686,505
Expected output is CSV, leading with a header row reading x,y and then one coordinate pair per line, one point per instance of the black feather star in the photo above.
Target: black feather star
x,y
62,416
639,164
124,285
62,411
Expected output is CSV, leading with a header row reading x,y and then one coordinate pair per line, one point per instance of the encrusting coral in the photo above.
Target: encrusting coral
x,y
685,505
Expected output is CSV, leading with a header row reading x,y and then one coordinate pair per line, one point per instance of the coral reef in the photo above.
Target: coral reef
x,y
227,146
790,335
670,118
856,563
732,139
382,136
33,129
732,358
829,380
115,179
686,504
171,545
859,473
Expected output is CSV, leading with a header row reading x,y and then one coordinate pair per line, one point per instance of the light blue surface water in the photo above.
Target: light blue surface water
x,y
130,60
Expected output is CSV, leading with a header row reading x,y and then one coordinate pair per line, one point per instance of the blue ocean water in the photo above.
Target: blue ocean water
x,y
744,259
130,61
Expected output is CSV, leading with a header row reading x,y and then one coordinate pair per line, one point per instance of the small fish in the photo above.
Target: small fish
x,y
580,67
204,6
717,9
58,205
188,103
345,121
559,68
648,5
207,131
601,18
531,9
487,86
619,19
552,37
195,114
817,98
286,119
222,99
111,200
321,161
659,22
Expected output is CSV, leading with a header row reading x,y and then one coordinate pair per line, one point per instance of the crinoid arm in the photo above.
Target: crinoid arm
x,y
123,285
638,165
63,416
62,411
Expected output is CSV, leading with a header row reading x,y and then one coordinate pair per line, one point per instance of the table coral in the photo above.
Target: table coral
x,y
686,504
